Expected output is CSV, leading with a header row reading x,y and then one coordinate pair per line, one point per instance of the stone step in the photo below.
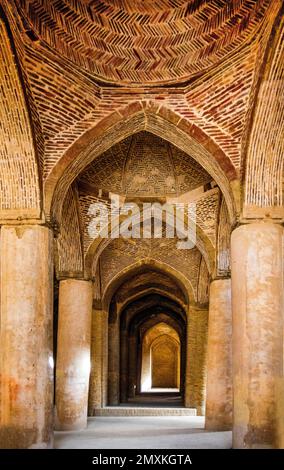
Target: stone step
x,y
143,411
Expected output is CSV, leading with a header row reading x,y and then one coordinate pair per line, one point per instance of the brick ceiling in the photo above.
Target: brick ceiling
x,y
145,165
145,41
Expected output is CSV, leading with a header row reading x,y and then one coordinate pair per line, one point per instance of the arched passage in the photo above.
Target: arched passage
x,y
160,361
165,363
136,320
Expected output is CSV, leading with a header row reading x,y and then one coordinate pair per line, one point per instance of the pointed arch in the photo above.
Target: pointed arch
x,y
123,123
152,264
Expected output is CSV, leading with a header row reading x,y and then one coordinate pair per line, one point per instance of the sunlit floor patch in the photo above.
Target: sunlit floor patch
x,y
163,432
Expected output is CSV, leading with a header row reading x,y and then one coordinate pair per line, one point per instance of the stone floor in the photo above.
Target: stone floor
x,y
161,432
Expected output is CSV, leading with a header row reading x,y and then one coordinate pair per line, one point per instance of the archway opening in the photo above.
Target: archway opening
x,y
160,368
148,305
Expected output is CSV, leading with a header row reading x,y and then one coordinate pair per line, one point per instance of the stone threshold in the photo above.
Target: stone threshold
x,y
147,411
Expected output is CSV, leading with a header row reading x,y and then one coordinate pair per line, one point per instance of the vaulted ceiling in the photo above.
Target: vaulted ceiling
x,y
130,95
145,165
144,41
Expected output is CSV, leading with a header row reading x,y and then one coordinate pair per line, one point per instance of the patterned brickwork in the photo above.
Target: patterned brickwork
x,y
69,103
145,280
265,176
203,283
65,102
122,253
106,172
223,264
110,101
145,41
145,165
19,181
219,102
69,246
206,219
149,169
85,200
206,213
16,28
197,333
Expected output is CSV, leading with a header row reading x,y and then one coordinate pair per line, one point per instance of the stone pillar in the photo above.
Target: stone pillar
x,y
26,345
279,441
219,358
113,364
195,383
123,366
257,301
105,360
73,354
132,384
146,376
98,361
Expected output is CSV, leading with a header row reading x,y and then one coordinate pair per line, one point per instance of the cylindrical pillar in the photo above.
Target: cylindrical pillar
x,y
26,347
113,364
73,354
195,383
219,358
146,376
98,361
123,366
257,301
132,361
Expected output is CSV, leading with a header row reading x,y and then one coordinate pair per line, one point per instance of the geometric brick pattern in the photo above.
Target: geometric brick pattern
x,y
144,41
218,103
143,75
203,283
69,244
162,123
19,177
217,46
121,253
223,262
207,206
65,101
70,100
265,162
150,278
145,165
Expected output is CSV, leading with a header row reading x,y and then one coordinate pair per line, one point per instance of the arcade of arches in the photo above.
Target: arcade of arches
x,y
168,102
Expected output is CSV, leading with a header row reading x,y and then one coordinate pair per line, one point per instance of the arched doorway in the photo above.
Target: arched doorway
x,y
160,365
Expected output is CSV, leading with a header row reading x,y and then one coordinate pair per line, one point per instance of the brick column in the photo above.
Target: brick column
x,y
124,366
133,363
97,397
195,383
113,364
